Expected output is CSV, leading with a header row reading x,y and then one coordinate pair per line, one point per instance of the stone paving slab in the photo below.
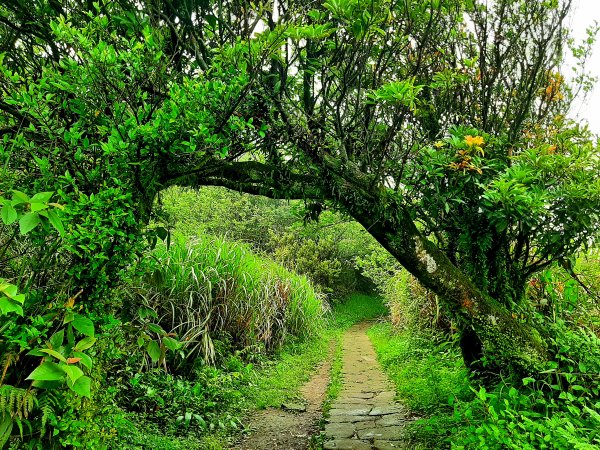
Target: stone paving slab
x,y
347,444
389,445
365,415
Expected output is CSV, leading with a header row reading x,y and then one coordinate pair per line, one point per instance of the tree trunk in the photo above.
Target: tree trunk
x,y
513,344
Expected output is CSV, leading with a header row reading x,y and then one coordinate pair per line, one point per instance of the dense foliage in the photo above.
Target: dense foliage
x,y
422,120
328,250
440,126
556,408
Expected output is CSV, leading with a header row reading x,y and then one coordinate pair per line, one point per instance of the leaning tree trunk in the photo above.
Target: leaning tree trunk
x,y
513,344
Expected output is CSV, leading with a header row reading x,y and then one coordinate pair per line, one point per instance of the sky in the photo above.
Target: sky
x,y
585,12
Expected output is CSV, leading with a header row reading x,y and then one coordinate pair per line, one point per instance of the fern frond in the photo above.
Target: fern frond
x,y
16,402
7,360
48,403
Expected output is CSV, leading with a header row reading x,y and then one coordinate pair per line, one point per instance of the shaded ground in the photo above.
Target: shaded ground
x,y
290,429
365,415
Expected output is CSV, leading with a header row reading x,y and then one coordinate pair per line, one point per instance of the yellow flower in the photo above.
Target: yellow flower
x,y
438,144
473,140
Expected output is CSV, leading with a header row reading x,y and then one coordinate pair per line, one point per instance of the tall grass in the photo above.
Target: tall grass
x,y
207,288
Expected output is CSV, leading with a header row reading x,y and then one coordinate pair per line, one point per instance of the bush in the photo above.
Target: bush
x,y
210,289
556,409
412,307
179,405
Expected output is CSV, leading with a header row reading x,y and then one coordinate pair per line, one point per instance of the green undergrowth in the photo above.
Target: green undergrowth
x,y
206,408
426,371
429,377
279,379
557,408
356,308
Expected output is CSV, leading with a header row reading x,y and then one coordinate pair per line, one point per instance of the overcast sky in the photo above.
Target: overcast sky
x,y
584,14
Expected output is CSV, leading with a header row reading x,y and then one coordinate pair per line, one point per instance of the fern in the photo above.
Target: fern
x,y
48,403
17,402
15,406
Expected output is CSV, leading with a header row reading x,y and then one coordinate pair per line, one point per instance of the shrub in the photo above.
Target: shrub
x,y
210,289
558,409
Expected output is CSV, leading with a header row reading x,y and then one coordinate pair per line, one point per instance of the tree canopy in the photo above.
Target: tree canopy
x,y
440,125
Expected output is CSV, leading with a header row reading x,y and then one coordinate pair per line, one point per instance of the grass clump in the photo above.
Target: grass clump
x,y
227,314
209,289
426,373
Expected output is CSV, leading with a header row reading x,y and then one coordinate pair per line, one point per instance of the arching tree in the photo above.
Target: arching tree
x,y
439,125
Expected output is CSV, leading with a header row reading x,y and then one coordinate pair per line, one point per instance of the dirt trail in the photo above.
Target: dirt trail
x,y
280,429
365,415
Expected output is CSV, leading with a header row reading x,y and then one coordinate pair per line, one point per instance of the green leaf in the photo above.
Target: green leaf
x,y
6,427
73,372
85,343
212,20
19,197
28,222
45,384
8,306
528,380
57,339
8,214
55,221
48,371
54,353
156,328
41,197
82,386
86,360
83,325
145,312
153,350
162,233
171,344
69,317
10,290
36,207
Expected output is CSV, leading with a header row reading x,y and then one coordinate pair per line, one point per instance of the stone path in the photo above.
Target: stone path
x,y
364,416
292,426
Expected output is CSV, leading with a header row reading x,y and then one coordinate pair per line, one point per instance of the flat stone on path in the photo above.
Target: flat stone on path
x,y
347,444
298,407
388,433
391,420
389,445
384,410
343,410
341,430
365,415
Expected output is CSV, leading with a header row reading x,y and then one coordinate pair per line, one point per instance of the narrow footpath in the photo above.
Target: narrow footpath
x,y
290,428
365,415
